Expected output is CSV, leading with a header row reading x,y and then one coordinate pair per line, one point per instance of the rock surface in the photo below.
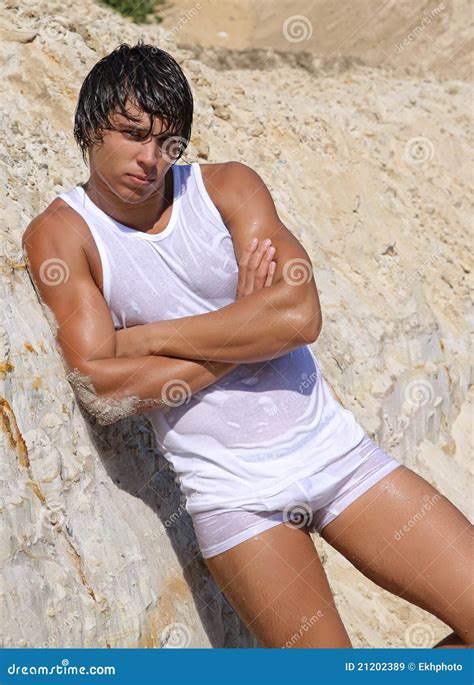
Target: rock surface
x,y
368,162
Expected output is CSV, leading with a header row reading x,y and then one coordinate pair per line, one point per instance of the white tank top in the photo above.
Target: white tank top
x,y
260,427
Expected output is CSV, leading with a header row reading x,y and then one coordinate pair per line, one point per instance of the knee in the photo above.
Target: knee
x,y
454,640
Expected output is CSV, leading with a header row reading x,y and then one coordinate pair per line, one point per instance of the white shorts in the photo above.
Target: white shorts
x,y
312,502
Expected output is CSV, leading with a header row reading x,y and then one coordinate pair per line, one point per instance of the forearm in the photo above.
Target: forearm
x,y
264,325
112,389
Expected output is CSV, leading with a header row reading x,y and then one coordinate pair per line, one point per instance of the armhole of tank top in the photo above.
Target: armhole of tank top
x,y
205,195
315,358
104,260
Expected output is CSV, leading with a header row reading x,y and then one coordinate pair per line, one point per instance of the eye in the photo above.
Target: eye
x,y
133,133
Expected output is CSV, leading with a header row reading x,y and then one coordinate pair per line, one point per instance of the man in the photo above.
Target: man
x,y
163,306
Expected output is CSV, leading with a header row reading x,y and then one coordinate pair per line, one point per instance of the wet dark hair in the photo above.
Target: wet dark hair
x,y
143,74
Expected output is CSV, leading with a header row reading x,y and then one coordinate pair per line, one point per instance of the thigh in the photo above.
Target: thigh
x,y
412,541
276,583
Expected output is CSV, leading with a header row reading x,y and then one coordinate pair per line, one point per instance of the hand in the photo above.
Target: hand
x,y
256,269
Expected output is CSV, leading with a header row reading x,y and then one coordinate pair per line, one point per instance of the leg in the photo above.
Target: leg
x,y
413,542
451,641
276,583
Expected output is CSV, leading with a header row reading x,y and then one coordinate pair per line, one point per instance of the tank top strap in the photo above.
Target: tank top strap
x,y
205,197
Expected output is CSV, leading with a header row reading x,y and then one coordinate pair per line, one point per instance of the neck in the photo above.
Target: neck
x,y
135,212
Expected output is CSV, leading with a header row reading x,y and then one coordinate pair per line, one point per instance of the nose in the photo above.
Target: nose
x,y
149,154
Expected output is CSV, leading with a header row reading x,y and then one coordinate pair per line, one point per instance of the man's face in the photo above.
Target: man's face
x,y
131,164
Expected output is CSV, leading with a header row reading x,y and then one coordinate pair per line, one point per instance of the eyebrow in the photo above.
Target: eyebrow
x,y
144,130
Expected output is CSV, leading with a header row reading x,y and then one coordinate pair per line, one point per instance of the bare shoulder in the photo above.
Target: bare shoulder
x,y
59,234
226,173
229,183
58,223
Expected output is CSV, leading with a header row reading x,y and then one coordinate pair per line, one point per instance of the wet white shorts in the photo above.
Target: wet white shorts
x,y
310,503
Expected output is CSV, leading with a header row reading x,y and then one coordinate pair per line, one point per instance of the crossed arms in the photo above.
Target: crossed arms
x,y
118,373
264,325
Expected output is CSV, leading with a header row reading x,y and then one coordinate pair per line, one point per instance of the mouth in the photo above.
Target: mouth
x,y
142,180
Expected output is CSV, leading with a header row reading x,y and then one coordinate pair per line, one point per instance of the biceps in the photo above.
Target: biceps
x,y
293,264
85,328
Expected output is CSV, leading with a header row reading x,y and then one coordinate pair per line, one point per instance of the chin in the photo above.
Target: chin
x,y
131,192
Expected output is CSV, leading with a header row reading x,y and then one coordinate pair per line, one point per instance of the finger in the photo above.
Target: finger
x,y
262,271
248,252
243,266
271,272
254,263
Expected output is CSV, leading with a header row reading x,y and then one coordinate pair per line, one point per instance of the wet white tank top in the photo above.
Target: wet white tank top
x,y
260,427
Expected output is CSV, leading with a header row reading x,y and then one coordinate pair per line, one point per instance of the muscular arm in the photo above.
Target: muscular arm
x,y
110,388
266,324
